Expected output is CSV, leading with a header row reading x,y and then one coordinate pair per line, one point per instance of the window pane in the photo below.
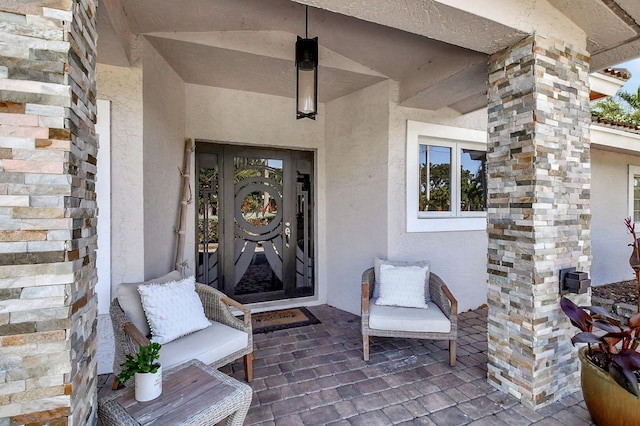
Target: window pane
x,y
435,178
472,180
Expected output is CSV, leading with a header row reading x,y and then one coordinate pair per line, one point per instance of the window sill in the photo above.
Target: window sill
x,y
448,224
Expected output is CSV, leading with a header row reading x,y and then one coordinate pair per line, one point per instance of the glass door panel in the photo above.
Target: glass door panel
x,y
304,225
207,237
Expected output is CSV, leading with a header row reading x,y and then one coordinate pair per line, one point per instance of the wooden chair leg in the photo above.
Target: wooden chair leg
x,y
365,346
115,384
248,367
452,352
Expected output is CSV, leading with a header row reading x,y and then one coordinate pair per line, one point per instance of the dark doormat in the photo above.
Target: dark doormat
x,y
266,322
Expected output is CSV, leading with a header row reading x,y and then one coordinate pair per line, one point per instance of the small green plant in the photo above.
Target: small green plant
x,y
144,362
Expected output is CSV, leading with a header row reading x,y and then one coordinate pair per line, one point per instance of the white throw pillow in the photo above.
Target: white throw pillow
x,y
377,262
129,299
172,309
402,286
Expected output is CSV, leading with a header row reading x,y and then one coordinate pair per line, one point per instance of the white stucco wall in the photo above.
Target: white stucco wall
x,y
357,134
609,236
103,254
123,87
164,133
103,189
459,258
232,116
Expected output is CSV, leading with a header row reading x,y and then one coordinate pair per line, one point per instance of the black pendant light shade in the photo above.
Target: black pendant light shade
x,y
306,77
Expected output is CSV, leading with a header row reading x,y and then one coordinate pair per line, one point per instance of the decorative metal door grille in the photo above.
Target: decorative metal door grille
x,y
258,216
255,221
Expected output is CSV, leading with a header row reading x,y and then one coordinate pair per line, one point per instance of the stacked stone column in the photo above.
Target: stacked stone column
x,y
538,213
48,212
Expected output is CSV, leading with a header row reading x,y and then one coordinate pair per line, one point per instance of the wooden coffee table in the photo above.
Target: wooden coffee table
x,y
192,394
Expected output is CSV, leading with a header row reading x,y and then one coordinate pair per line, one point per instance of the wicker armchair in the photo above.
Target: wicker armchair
x,y
442,299
216,308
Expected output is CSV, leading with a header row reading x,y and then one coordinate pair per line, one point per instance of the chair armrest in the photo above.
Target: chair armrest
x,y
452,300
136,335
127,338
216,307
368,281
369,277
442,296
239,306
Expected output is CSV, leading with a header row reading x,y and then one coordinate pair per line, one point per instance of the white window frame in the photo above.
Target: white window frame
x,y
419,133
633,170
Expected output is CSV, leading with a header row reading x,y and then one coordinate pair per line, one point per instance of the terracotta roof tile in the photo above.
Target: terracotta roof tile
x,y
619,73
615,125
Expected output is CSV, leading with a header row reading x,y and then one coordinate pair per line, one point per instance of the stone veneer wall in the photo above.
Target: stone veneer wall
x,y
538,213
48,238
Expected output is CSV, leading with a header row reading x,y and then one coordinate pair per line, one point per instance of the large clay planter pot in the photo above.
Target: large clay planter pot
x,y
148,386
607,401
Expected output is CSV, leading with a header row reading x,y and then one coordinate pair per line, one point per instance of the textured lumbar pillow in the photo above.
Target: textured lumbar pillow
x,y
172,309
129,299
402,286
377,262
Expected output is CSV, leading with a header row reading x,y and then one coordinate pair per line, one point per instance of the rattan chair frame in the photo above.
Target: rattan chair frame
x,y
440,295
216,307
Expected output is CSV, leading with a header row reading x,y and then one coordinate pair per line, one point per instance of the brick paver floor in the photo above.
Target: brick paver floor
x,y
315,375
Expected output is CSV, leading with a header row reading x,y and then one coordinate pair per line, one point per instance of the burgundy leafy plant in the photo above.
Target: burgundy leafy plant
x,y
634,260
616,345
631,227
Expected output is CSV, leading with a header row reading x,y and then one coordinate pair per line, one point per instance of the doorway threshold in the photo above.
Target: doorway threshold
x,y
280,304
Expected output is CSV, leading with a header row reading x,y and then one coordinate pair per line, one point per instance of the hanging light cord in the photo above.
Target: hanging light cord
x,y
306,21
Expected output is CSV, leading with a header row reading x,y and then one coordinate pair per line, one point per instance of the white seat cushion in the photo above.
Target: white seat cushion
x,y
208,345
395,318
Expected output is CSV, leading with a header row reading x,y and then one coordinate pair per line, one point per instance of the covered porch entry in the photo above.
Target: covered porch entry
x,y
223,71
227,75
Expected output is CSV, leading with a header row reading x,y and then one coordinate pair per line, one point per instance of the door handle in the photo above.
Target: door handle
x,y
287,233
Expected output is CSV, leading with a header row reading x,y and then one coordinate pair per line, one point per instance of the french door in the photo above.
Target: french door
x,y
255,221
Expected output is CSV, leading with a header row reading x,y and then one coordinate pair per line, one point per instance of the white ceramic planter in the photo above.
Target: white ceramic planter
x,y
148,386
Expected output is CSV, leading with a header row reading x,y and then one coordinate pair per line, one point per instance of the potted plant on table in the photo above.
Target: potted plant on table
x,y
610,363
146,370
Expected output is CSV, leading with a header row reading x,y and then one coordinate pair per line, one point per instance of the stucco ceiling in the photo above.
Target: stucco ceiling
x,y
435,49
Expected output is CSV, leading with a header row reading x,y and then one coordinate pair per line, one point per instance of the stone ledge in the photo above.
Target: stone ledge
x,y
620,311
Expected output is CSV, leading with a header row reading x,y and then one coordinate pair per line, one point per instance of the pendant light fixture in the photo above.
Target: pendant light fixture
x,y
306,74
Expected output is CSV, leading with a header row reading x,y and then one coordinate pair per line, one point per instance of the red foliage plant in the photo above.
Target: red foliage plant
x,y
631,226
616,344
